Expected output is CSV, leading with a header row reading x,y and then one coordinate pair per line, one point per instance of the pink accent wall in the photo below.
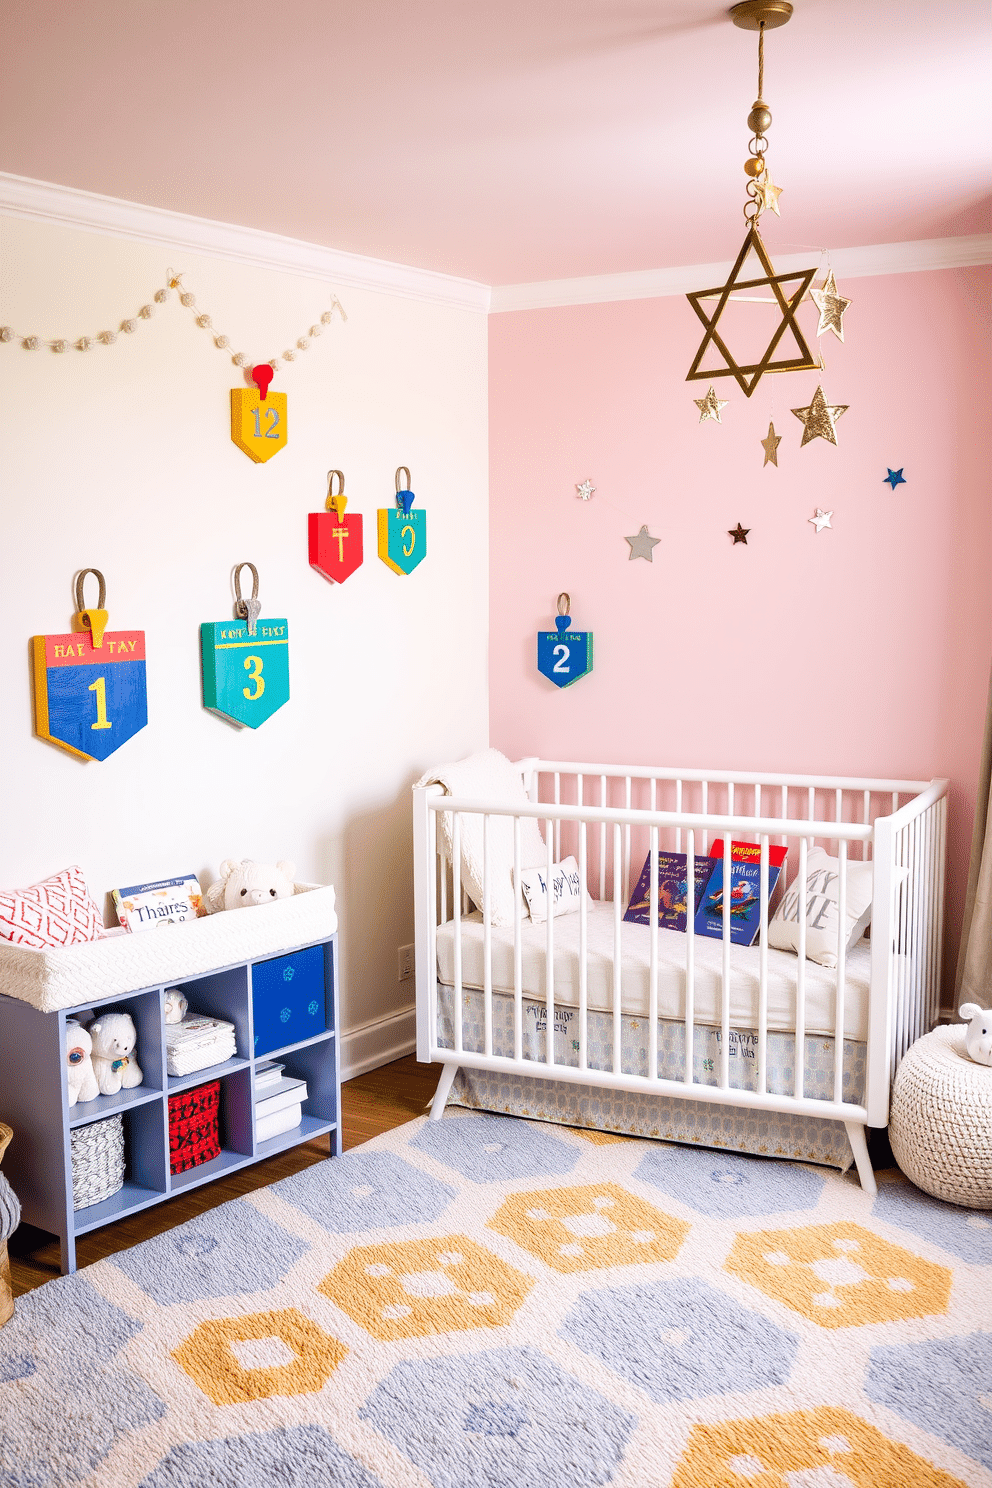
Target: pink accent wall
x,y
860,650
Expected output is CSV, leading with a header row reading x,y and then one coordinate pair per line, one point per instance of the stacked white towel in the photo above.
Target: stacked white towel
x,y
198,1042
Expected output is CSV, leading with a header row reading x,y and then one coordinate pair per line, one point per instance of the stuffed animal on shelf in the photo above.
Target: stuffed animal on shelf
x,y
978,1036
114,1039
80,1079
243,885
175,1005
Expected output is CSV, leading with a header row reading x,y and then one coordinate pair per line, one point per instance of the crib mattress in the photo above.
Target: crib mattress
x,y
635,968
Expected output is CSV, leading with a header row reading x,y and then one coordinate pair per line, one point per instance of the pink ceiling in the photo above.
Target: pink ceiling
x,y
508,140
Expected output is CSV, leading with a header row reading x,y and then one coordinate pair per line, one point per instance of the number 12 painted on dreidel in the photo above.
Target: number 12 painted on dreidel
x,y
272,415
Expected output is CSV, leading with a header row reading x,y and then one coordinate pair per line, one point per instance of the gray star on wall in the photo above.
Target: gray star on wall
x,y
641,546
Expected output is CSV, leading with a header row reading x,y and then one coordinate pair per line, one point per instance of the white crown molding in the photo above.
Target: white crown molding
x,y
43,201
650,284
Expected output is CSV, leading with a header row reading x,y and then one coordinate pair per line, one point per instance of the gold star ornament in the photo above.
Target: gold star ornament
x,y
709,407
767,194
748,374
831,306
819,418
770,445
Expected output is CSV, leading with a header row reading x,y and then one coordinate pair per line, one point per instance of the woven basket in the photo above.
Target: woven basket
x,y
6,1288
97,1161
940,1119
194,1127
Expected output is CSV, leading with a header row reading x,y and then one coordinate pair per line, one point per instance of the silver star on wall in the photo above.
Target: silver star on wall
x,y
642,544
821,519
586,490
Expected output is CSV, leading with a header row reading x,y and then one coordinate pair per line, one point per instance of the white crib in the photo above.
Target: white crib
x,y
880,997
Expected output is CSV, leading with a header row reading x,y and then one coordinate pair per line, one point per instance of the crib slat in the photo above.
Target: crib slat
x,y
617,945
549,1022
602,839
626,845
690,954
518,980
841,969
487,938
728,858
705,793
678,807
763,967
653,984
456,857
799,1051
583,953
557,819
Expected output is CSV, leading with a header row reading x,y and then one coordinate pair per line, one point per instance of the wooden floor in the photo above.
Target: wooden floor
x,y
370,1104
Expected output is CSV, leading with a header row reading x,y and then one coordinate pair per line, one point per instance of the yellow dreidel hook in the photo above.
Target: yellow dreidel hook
x,y
336,500
95,621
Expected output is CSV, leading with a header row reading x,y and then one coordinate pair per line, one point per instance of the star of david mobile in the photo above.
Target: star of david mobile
x,y
748,374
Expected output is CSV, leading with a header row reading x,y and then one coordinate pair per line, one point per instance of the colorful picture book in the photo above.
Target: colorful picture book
x,y
745,891
673,890
168,902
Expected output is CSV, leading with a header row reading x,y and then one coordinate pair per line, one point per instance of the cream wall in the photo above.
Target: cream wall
x,y
121,459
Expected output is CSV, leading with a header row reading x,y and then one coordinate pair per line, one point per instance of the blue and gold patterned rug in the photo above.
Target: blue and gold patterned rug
x,y
493,1303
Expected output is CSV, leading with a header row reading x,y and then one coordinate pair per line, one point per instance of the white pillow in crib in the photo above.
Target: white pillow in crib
x,y
822,908
566,887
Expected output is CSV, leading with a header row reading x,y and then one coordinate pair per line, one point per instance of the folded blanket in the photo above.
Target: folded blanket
x,y
488,776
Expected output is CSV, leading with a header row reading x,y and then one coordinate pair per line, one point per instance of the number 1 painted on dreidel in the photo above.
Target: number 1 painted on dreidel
x,y
100,688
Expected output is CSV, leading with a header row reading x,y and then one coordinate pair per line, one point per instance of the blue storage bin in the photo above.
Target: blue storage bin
x,y
288,999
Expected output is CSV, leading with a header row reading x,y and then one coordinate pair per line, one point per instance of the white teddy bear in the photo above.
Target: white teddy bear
x,y
80,1079
243,885
114,1039
978,1036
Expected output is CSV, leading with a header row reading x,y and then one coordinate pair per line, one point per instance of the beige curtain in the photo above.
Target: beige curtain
x,y
974,978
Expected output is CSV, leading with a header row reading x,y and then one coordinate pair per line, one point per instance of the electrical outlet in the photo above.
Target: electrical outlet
x,y
406,962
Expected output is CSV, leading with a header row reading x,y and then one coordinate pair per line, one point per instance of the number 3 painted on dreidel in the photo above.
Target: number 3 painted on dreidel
x,y
402,531
564,655
89,685
235,654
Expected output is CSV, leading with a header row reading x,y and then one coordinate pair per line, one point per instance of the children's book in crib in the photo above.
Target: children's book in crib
x,y
168,902
673,890
745,892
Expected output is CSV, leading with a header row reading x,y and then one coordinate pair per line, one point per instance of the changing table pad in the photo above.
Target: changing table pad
x,y
635,970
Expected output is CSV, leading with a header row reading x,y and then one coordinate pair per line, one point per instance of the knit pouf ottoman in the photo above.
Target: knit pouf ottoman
x,y
940,1119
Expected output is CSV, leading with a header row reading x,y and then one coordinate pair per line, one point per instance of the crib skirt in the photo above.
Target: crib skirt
x,y
668,1118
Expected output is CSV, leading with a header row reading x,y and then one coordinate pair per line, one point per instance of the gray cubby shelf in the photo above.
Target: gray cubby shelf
x,y
294,992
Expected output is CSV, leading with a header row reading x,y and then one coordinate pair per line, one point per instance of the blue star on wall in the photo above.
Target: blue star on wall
x,y
895,477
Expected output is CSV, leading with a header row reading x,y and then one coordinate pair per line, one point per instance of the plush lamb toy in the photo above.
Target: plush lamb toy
x,y
79,1076
114,1039
242,885
978,1037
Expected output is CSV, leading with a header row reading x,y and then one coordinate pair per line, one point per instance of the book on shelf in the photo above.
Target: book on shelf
x,y
170,901
745,891
267,1074
274,1098
280,1121
673,890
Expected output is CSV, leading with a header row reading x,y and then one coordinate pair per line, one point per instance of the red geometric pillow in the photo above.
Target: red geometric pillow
x,y
58,911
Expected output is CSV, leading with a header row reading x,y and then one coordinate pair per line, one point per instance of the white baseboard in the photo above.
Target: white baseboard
x,y
378,1042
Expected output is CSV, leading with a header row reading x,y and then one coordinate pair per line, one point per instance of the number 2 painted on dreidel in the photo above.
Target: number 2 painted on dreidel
x,y
564,655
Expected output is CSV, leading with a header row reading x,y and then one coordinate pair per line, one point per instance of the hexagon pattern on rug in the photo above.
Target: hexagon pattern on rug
x,y
726,1184
964,1232
820,1448
371,1188
307,1456
840,1275
574,1229
293,1356
506,1418
680,1339
413,1288
944,1386
488,1149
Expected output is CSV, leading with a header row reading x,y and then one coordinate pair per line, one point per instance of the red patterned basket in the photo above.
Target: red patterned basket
x,y
194,1126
